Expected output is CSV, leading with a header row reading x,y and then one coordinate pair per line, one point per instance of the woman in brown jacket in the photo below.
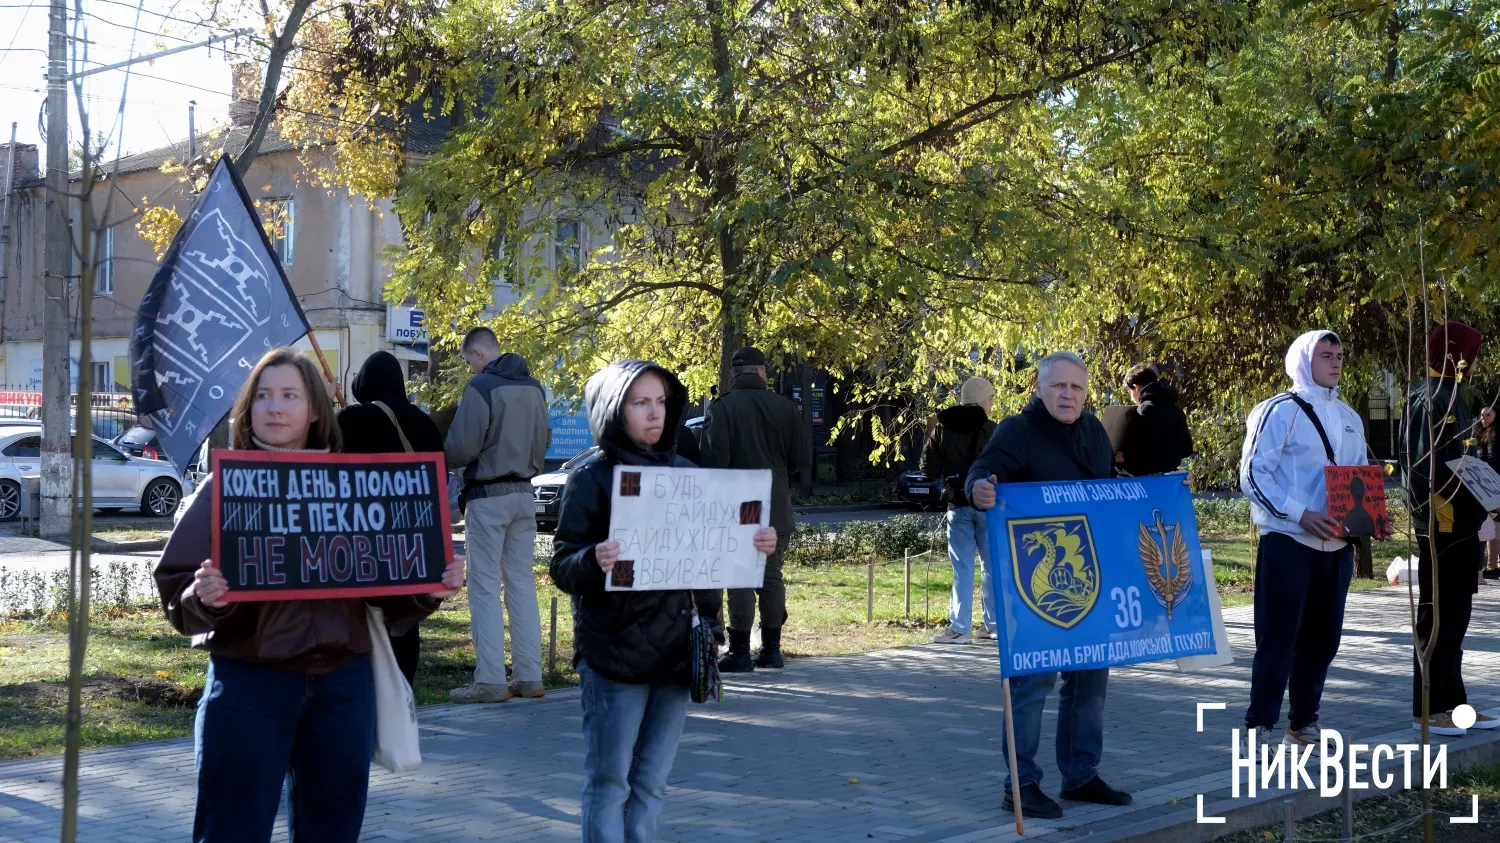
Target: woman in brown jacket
x,y
289,695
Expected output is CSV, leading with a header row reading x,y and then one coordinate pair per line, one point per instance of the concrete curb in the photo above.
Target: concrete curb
x,y
137,546
854,507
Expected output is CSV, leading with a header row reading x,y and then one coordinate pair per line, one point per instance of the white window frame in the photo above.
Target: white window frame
x,y
104,262
286,243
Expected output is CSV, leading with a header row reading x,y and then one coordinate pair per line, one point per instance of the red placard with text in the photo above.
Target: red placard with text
x,y
1356,498
308,526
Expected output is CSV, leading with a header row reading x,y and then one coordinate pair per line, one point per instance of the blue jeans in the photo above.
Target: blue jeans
x,y
631,731
1080,724
968,537
259,727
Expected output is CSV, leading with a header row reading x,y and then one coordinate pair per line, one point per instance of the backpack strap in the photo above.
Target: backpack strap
x,y
1317,423
406,443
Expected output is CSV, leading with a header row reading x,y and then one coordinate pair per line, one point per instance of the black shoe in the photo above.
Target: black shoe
x,y
1035,803
769,658
1098,792
1492,573
733,662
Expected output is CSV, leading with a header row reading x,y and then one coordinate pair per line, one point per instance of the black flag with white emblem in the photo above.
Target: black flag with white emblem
x,y
218,301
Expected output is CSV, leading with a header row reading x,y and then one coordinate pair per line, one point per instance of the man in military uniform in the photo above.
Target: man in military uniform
x,y
752,427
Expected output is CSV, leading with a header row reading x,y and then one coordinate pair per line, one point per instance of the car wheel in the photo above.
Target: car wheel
x,y
10,500
161,497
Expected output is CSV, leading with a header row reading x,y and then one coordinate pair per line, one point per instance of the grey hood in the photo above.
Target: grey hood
x,y
604,396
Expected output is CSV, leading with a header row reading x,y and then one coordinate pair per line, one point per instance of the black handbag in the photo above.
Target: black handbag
x,y
707,683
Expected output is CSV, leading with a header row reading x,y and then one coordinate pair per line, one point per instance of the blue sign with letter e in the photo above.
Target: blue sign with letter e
x,y
1097,573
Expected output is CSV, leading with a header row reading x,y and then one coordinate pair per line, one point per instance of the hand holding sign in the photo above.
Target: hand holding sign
x,y
209,585
765,540
453,578
607,554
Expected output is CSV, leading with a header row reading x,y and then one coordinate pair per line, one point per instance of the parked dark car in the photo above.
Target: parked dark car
x,y
916,488
140,442
547,489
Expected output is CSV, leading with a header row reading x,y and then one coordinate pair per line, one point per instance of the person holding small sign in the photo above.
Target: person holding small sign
x,y
633,649
1303,565
289,695
1446,516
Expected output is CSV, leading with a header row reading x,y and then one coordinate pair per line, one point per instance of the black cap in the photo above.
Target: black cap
x,y
747,357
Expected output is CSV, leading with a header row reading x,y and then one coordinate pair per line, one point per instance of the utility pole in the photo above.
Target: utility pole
x,y
57,458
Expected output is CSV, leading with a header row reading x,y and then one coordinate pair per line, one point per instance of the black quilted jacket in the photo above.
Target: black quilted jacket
x,y
641,636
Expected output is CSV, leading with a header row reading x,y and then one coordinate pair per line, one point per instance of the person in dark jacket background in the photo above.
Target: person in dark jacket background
x,y
632,648
1156,439
1487,448
752,427
376,425
1052,439
1446,519
956,440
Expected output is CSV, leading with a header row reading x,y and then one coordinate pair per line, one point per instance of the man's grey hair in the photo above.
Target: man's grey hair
x,y
1046,364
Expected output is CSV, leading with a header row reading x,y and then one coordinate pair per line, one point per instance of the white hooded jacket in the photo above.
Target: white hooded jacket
x,y
1281,465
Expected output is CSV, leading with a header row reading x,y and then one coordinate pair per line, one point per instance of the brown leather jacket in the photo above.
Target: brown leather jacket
x,y
305,636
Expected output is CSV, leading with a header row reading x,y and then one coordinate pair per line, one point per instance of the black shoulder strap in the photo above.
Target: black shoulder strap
x,y
1317,423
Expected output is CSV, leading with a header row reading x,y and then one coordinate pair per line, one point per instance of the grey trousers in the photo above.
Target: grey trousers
x,y
501,539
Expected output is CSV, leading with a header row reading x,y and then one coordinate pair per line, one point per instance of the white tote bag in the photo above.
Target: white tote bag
x,y
397,745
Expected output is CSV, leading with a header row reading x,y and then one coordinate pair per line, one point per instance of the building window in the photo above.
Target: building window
x,y
281,228
567,246
103,382
104,262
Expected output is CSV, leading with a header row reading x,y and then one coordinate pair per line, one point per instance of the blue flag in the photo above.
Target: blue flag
x,y
1097,573
218,301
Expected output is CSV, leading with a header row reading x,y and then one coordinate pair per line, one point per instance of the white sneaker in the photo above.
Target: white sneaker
x,y
1484,721
1255,738
987,632
948,636
1440,724
1306,736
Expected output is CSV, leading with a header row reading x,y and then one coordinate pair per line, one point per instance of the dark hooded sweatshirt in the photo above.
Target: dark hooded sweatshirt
x,y
1157,439
957,438
1032,445
367,429
640,636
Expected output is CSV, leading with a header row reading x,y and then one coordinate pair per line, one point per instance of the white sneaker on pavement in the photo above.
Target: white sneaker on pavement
x,y
1309,735
948,636
987,632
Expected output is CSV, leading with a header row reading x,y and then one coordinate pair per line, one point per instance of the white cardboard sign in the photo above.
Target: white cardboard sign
x,y
687,528
1481,480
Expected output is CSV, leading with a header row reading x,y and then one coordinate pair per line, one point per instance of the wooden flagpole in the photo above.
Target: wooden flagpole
x,y
1010,744
338,390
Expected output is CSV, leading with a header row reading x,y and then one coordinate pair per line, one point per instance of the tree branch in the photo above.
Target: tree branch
x,y
266,113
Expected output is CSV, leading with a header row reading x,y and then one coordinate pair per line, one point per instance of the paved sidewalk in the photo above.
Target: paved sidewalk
x,y
895,745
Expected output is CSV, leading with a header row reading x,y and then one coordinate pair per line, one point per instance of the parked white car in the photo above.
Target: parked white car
x,y
120,481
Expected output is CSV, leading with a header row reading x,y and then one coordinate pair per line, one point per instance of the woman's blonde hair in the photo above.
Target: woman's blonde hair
x,y
321,433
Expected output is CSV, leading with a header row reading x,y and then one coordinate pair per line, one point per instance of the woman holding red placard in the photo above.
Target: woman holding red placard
x,y
289,695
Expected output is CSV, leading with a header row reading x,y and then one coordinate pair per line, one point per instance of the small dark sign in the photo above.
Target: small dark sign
x,y
1356,498
301,526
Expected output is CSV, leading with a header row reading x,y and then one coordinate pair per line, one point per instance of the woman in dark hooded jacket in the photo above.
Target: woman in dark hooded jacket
x,y
376,425
632,649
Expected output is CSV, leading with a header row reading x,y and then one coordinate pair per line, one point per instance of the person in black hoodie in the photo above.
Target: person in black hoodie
x,y
386,422
632,648
1052,439
956,440
1157,439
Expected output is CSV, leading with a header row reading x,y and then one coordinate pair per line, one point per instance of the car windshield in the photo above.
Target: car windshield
x,y
574,462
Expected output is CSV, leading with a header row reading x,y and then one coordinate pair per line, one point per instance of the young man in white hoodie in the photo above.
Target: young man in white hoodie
x,y
1303,567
